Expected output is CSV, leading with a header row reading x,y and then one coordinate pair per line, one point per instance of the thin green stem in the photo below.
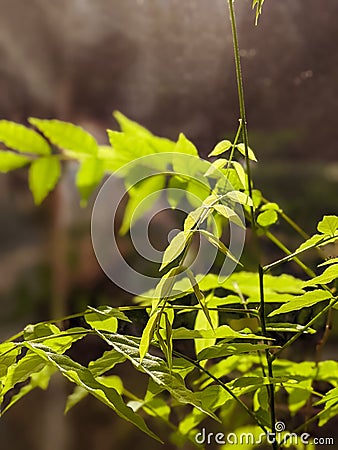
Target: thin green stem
x,y
224,386
270,386
293,255
240,90
242,111
308,325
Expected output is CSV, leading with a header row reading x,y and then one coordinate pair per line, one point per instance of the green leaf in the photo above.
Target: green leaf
x,y
329,274
142,197
175,248
258,4
328,226
37,380
302,301
196,192
271,205
108,311
148,334
183,145
311,242
218,244
221,147
213,397
80,393
106,362
134,130
155,368
57,340
215,166
267,218
10,161
101,321
82,376
192,218
66,135
130,127
23,139
229,214
21,371
299,395
240,197
89,175
240,172
44,174
176,191
241,149
331,406
200,297
328,262
222,332
225,349
201,322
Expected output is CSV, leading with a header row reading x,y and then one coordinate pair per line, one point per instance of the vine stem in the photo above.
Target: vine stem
x,y
240,89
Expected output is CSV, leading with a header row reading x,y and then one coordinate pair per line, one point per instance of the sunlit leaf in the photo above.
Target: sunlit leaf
x,y
216,165
183,145
89,176
241,149
328,262
328,226
155,367
329,274
240,197
175,248
219,245
221,147
240,172
267,218
222,332
44,174
10,161
83,377
66,135
148,334
142,197
23,139
302,301
225,349
229,214
176,191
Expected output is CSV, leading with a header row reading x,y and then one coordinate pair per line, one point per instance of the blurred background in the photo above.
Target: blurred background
x,y
167,64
